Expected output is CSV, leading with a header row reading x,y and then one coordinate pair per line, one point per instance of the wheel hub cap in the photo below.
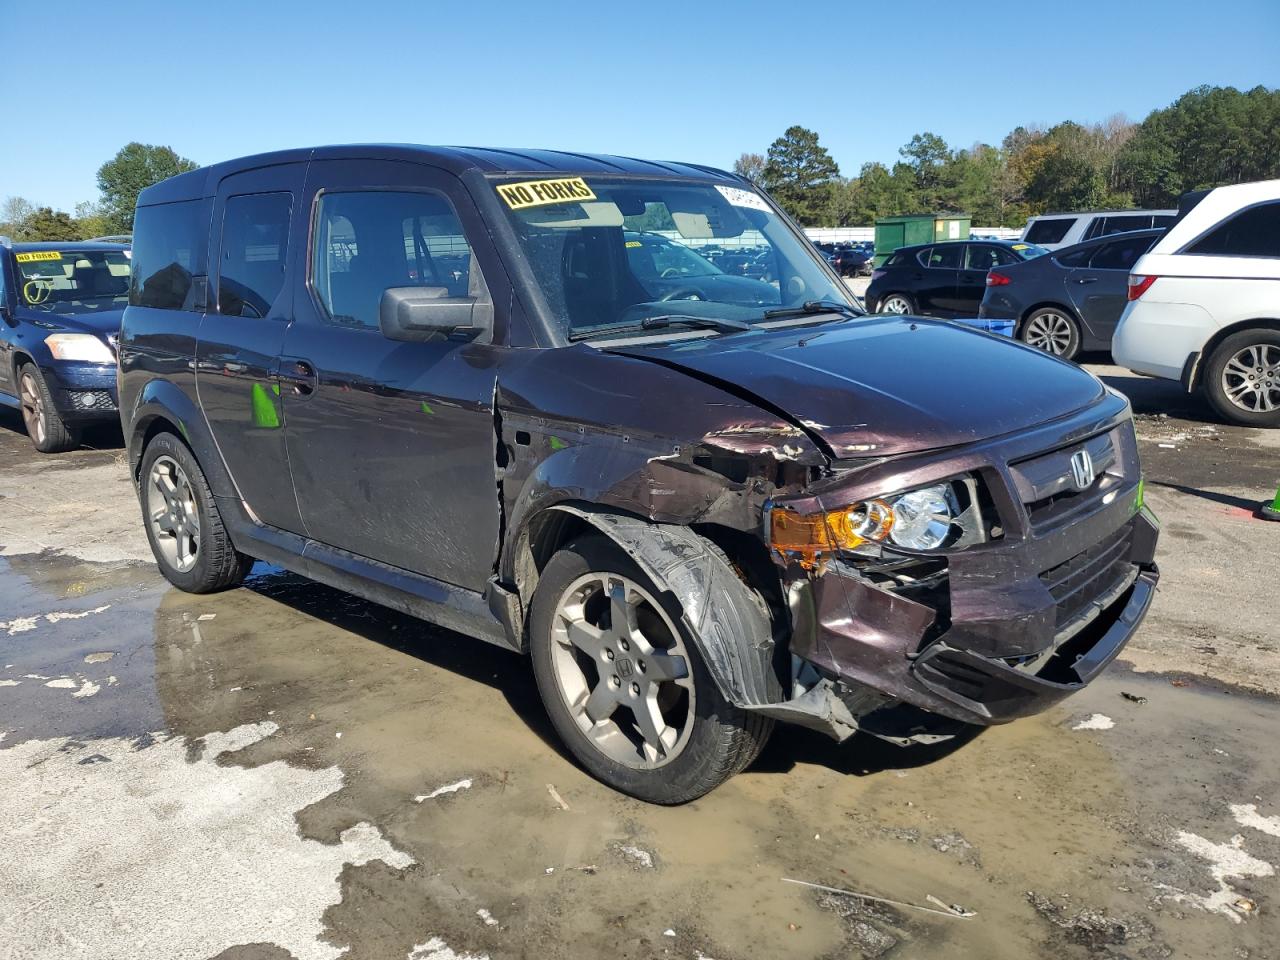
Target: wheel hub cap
x,y
623,671
32,408
174,516
1050,332
1251,378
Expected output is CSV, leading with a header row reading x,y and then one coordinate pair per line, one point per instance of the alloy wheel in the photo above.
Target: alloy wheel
x,y
173,513
1050,332
1251,378
623,671
895,304
32,408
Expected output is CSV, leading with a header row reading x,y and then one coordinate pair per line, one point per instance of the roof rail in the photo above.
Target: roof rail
x,y
112,238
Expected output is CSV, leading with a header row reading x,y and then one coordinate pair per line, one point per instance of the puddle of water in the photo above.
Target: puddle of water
x,y
1084,821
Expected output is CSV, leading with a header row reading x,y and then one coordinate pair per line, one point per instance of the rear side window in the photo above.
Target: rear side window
x,y
255,244
1076,258
1254,232
1049,231
1120,254
169,247
1105,226
370,241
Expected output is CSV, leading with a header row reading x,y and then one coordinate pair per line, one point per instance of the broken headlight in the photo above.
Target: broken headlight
x,y
927,518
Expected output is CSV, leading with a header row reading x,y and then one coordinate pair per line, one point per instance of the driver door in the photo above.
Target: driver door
x,y
391,443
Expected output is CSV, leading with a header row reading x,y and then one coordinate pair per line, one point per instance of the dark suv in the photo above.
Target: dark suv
x,y
442,379
60,309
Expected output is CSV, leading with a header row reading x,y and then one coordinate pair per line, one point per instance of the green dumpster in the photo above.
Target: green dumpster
x,y
895,232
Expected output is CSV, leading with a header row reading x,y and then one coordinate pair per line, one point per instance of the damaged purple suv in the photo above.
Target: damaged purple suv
x,y
512,393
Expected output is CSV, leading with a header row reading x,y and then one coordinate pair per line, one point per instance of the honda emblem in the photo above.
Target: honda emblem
x,y
1082,469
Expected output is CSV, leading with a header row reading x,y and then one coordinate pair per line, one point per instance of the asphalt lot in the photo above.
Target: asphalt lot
x,y
285,771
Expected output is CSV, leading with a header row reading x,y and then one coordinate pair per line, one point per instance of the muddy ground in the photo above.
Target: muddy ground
x,y
284,771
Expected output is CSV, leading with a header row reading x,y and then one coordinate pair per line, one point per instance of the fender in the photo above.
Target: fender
x,y
162,399
725,620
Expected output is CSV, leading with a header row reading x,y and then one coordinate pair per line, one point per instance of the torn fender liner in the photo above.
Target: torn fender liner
x,y
731,629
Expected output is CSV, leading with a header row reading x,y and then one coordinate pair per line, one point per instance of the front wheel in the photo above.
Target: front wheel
x,y
1242,378
1052,330
49,433
624,684
191,546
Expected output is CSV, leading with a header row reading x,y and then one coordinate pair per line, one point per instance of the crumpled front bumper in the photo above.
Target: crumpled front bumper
x,y
1006,652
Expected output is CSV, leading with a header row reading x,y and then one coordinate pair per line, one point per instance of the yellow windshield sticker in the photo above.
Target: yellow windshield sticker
x,y
35,255
1019,246
540,193
632,244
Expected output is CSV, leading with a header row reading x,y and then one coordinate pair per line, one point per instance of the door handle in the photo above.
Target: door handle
x,y
1087,280
298,374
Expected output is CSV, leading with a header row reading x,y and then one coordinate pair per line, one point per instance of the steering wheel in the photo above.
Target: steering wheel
x,y
670,272
681,293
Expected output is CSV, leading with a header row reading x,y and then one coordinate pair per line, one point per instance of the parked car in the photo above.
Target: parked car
x,y
666,269
1069,300
1204,303
946,279
60,308
849,262
1056,230
671,500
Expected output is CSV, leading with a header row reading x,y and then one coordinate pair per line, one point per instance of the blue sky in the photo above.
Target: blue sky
x,y
693,80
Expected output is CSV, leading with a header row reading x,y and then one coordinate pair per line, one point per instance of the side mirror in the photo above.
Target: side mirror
x,y
421,313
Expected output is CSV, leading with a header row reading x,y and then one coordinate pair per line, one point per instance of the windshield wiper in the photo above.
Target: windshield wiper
x,y
723,324
687,320
813,306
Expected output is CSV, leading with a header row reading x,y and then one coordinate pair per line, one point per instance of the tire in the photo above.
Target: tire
x,y
706,739
187,536
1242,378
48,432
891,302
1052,330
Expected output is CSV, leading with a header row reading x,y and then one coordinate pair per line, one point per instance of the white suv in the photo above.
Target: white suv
x,y
1055,230
1204,303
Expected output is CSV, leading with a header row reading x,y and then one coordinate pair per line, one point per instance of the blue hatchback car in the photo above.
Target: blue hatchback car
x,y
60,310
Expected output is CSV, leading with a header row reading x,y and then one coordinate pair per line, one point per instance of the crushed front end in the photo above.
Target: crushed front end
x,y
1045,570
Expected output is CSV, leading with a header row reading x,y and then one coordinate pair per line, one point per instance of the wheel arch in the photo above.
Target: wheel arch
x,y
161,406
1193,381
1045,305
732,630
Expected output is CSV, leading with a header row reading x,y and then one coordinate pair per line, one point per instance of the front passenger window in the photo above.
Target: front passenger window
x,y
369,241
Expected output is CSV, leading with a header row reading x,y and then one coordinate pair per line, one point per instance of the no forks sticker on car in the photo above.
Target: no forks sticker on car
x,y
538,193
34,255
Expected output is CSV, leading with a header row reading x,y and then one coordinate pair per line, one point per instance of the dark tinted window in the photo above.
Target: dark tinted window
x,y
370,241
168,251
1076,258
1250,233
982,257
1120,254
945,256
897,260
1049,231
255,243
1118,223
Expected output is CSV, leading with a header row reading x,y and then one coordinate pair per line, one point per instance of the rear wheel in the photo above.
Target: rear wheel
x,y
1242,378
190,544
1054,331
624,684
48,432
896,303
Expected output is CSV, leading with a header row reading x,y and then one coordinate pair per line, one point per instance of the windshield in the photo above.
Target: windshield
x,y
609,253
73,281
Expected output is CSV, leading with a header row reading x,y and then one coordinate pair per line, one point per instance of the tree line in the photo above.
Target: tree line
x,y
135,167
1208,137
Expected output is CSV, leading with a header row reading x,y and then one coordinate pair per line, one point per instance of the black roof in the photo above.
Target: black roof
x,y
456,160
999,243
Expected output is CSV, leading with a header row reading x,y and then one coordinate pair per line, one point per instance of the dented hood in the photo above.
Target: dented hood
x,y
876,387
